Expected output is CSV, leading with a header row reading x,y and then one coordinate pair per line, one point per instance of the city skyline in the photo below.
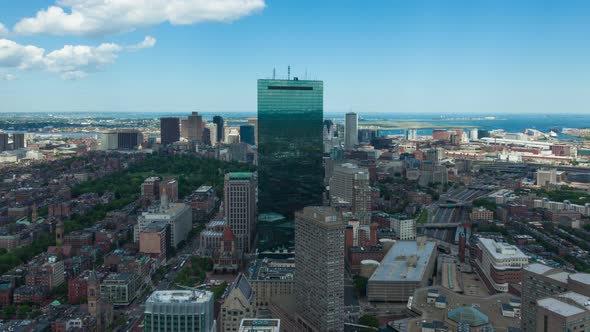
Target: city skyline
x,y
429,58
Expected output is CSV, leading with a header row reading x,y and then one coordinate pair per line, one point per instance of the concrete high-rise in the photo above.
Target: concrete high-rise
x,y
350,184
319,268
169,130
290,151
218,121
351,131
240,207
195,127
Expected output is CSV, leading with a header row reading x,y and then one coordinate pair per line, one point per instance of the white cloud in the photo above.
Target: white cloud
x,y
104,17
73,75
7,77
71,61
147,42
3,30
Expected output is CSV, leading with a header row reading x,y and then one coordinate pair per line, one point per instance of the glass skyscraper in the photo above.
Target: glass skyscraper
x,y
290,146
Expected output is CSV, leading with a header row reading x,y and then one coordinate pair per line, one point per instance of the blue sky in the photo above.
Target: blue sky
x,y
374,56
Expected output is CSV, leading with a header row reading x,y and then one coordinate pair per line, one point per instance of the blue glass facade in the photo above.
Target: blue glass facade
x,y
290,167
247,134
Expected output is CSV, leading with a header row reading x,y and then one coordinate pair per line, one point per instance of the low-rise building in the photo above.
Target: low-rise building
x,y
406,266
120,289
270,278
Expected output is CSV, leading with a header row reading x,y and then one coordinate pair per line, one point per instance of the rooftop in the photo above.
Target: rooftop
x,y
501,250
240,175
179,296
559,307
405,261
272,270
583,278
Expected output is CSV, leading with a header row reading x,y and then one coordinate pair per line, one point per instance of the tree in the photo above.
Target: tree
x,y
360,284
369,320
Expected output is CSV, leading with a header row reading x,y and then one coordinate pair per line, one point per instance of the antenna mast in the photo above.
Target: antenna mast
x,y
274,73
289,72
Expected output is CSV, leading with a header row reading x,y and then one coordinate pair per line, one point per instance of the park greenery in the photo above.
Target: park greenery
x,y
189,171
194,273
14,257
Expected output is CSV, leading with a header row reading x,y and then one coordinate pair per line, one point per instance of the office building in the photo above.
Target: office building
x,y
122,139
184,128
194,127
247,134
120,289
481,214
404,229
319,268
546,177
350,185
568,311
170,185
154,240
3,142
177,215
218,121
237,304
406,266
542,303
150,189
169,130
290,150
179,310
254,122
260,325
411,135
351,128
240,207
212,134
499,264
271,278
18,141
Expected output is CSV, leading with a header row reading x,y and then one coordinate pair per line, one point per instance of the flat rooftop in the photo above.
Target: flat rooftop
x,y
560,307
397,265
179,296
500,250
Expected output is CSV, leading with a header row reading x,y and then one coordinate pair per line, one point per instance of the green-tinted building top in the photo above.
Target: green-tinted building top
x,y
290,165
240,175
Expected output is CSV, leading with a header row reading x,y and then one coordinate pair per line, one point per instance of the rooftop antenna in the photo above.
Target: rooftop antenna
x,y
274,73
306,73
289,72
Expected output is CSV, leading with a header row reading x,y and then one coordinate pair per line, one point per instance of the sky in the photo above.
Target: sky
x,y
502,56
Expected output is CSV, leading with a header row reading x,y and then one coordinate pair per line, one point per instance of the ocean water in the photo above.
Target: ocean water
x,y
505,121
